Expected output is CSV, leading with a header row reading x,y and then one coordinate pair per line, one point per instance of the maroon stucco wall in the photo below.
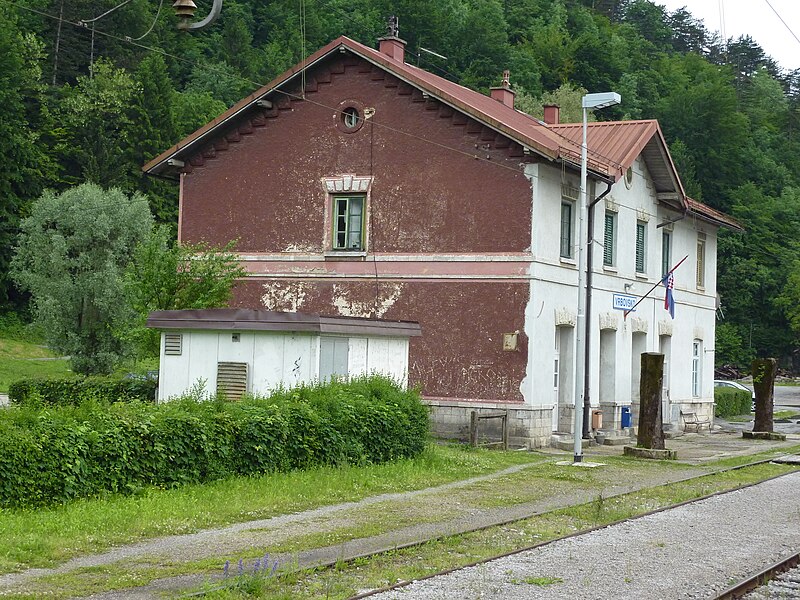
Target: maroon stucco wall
x,y
263,185
266,189
459,354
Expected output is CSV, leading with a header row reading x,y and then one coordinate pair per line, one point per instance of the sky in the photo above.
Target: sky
x,y
754,18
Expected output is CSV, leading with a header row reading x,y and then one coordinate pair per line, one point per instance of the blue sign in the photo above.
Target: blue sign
x,y
624,302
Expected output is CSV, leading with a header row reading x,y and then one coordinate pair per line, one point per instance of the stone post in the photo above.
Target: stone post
x,y
764,370
651,429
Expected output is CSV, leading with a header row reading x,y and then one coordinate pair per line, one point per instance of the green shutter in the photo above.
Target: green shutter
x,y
641,229
566,230
608,239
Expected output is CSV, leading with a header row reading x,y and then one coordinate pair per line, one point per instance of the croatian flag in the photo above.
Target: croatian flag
x,y
669,301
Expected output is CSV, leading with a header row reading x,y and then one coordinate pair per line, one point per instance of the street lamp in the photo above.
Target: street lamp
x,y
593,101
184,10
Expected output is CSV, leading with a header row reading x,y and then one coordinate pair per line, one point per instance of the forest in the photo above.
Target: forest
x,y
92,89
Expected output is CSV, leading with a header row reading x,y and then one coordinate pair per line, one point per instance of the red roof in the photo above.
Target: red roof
x,y
616,144
516,125
705,212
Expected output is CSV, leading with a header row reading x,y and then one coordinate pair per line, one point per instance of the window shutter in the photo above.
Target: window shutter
x,y
566,230
173,344
701,263
640,247
232,379
608,240
666,241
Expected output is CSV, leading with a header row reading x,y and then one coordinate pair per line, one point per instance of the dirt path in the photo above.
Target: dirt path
x,y
393,520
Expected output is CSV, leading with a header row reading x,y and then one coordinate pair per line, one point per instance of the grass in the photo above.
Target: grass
x,y
404,565
346,579
21,354
40,538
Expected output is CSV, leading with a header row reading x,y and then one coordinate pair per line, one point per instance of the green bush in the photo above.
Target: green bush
x,y
74,390
54,454
730,402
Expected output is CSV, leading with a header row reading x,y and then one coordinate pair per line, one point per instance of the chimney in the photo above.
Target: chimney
x,y
504,94
391,45
552,113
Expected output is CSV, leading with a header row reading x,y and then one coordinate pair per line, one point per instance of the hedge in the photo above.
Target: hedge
x,y
74,390
730,402
55,454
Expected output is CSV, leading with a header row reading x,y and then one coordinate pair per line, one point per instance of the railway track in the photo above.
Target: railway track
x,y
792,578
778,581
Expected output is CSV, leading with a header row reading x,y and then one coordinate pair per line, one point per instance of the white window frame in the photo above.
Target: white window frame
x,y
697,367
345,227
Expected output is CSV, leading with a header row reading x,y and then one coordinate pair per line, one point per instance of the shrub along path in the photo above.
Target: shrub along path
x,y
329,534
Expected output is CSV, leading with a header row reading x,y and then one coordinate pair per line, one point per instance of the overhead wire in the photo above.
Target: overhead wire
x,y
785,24
211,68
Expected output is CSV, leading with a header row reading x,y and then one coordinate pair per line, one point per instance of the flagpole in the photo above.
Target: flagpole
x,y
650,291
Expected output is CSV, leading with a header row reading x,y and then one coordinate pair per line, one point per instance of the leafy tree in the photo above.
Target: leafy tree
x,y
192,110
567,97
72,253
152,131
22,162
95,121
168,276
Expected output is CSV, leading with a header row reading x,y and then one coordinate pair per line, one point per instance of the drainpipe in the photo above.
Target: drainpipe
x,y
587,403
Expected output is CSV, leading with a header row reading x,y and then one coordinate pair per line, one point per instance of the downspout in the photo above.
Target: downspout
x,y
587,403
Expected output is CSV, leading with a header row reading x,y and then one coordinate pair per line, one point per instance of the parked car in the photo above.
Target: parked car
x,y
738,386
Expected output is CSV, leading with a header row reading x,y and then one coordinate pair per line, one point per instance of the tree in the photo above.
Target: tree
x,y
73,250
168,276
95,123
567,97
152,131
22,160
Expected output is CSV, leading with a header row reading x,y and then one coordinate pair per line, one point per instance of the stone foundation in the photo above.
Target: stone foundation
x,y
528,427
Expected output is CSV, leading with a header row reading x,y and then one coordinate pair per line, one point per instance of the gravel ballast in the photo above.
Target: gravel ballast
x,y
691,551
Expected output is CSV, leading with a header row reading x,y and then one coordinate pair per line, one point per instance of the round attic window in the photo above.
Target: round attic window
x,y
629,177
349,116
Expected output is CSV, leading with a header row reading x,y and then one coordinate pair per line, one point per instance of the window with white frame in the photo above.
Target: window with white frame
x,y
610,239
348,222
697,367
701,260
567,233
641,247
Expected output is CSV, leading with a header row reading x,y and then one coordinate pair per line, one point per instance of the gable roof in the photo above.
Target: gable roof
x,y
711,215
620,143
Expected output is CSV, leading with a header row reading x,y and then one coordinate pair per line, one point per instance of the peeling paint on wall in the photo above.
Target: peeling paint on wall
x,y
308,248
387,294
284,296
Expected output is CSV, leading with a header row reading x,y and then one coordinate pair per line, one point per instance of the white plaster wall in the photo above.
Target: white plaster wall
x,y
273,359
389,356
553,288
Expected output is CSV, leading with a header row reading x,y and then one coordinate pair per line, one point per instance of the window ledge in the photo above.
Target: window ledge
x,y
610,268
345,254
568,261
642,276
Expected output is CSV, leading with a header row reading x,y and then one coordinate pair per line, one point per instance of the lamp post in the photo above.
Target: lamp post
x,y
593,101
